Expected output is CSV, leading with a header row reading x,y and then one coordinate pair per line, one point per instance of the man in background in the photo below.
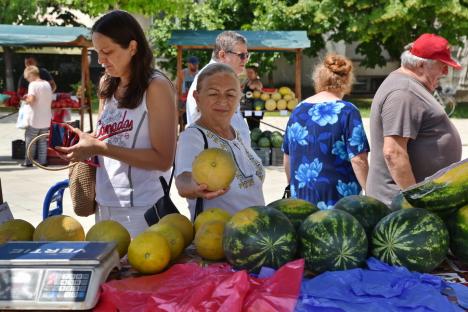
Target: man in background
x,y
43,73
411,135
189,75
230,49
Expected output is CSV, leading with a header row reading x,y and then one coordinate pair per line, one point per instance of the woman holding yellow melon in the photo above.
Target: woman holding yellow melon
x,y
227,173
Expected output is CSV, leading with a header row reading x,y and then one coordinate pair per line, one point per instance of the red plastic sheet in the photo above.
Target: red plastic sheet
x,y
189,287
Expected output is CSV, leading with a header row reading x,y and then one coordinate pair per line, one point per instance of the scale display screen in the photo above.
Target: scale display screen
x,y
19,284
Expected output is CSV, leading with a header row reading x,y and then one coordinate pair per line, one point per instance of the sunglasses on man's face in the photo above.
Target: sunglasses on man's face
x,y
242,56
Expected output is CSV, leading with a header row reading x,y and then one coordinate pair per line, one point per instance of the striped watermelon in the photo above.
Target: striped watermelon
x,y
367,210
332,240
443,192
259,236
297,210
413,237
458,228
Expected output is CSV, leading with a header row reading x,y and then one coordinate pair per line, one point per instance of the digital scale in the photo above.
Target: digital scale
x,y
54,275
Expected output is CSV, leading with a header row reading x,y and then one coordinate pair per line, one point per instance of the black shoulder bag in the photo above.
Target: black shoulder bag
x,y
164,205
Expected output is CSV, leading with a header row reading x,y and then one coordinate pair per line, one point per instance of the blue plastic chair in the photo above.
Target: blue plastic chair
x,y
54,195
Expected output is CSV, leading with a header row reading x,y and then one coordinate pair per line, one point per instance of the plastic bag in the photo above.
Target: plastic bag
x,y
190,287
24,115
381,288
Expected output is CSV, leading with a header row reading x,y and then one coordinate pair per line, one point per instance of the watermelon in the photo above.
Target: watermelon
x,y
259,236
413,237
255,134
443,192
276,140
259,105
399,202
367,210
264,142
266,134
297,210
458,229
332,240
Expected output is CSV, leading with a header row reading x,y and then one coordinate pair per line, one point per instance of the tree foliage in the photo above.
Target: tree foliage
x,y
97,7
36,12
375,25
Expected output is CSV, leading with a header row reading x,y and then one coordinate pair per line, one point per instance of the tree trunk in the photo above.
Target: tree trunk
x,y
8,56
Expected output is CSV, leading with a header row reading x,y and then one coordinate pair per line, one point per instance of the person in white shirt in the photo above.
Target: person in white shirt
x,y
135,137
217,95
230,49
39,97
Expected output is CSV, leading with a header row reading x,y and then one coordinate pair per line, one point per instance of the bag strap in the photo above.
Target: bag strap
x,y
165,186
199,203
287,192
204,137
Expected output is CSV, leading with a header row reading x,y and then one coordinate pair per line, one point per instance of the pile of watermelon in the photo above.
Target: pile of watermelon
x,y
266,139
343,237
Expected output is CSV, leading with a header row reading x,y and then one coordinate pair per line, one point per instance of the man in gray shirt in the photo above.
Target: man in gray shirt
x,y
411,135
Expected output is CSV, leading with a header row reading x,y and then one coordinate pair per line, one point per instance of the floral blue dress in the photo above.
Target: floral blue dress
x,y
321,139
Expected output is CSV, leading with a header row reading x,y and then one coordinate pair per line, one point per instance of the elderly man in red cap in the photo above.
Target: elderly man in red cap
x,y
411,135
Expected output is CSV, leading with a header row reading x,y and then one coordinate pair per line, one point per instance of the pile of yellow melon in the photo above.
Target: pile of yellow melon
x,y
150,252
282,99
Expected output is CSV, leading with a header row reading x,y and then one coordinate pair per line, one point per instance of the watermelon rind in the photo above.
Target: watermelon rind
x,y
414,238
444,191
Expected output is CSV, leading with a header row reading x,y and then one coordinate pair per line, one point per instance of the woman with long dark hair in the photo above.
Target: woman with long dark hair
x,y
135,137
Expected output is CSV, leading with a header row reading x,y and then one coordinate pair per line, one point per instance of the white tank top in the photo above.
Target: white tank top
x,y
117,183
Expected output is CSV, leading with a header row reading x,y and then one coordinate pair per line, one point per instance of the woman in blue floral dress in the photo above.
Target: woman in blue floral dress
x,y
325,146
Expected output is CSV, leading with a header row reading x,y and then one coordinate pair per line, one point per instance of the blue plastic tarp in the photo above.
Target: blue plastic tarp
x,y
381,287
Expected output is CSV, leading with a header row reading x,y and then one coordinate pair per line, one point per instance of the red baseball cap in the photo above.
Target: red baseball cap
x,y
433,47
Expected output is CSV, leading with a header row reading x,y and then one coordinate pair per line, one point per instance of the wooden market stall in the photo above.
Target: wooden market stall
x,y
285,41
27,36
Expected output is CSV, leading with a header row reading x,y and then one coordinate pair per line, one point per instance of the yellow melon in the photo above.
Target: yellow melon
x,y
292,104
281,104
264,96
182,223
276,96
257,94
270,105
16,230
173,236
209,240
287,97
110,231
215,168
149,253
284,90
211,214
59,228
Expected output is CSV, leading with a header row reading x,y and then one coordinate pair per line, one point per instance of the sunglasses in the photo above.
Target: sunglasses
x,y
242,56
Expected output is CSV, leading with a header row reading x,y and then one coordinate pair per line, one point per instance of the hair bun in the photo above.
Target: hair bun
x,y
338,64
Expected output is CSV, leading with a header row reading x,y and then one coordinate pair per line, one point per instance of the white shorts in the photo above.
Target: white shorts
x,y
132,218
